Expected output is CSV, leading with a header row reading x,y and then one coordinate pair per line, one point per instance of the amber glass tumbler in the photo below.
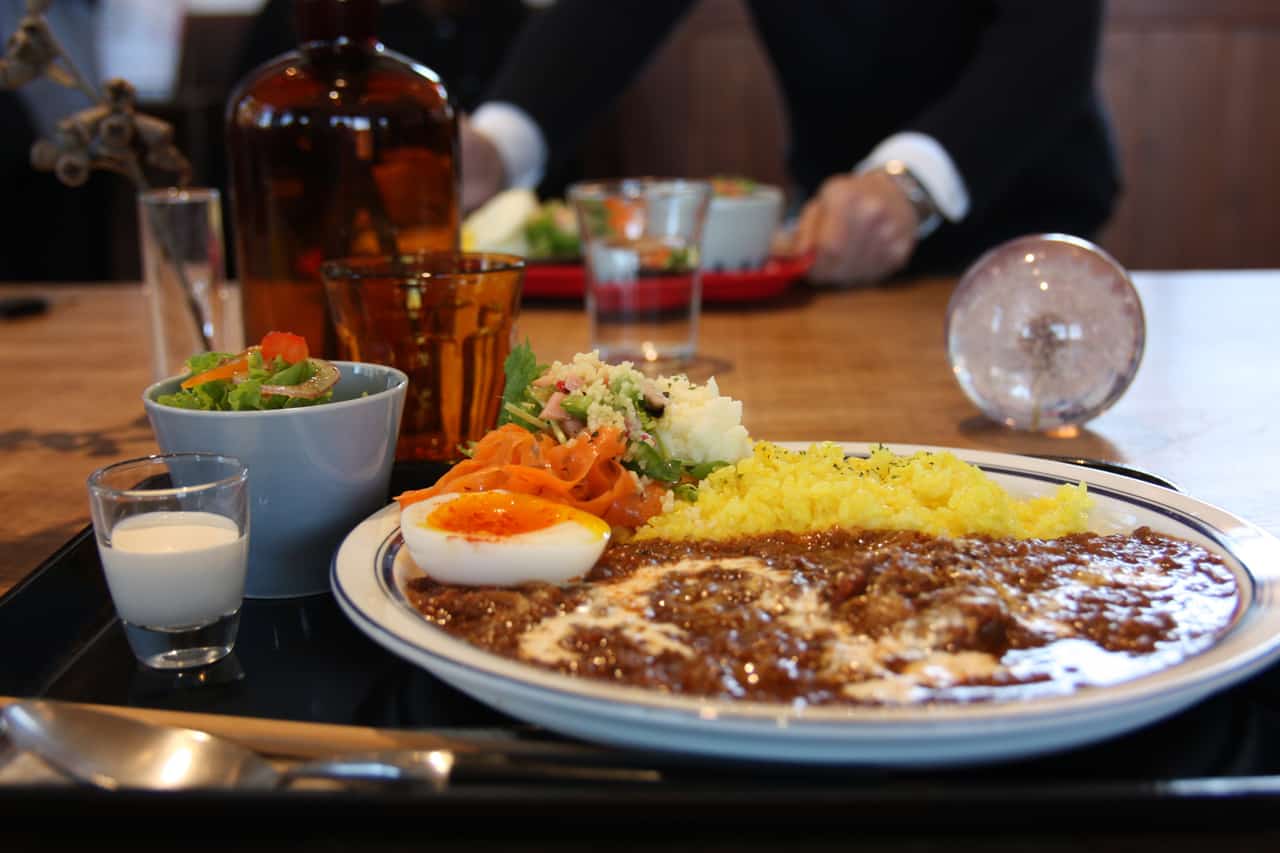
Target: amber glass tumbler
x,y
448,320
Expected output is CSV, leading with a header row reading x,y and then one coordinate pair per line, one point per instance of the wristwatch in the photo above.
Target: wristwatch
x,y
927,213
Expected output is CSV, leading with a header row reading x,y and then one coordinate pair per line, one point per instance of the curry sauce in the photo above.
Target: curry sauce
x,y
859,617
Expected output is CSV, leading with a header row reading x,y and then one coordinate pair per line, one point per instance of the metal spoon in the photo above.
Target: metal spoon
x,y
114,753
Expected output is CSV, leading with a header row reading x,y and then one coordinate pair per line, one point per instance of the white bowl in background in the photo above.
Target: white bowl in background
x,y
739,229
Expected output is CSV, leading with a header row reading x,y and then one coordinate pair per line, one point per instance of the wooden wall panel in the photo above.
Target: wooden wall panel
x,y
1252,129
1197,125
1159,97
1180,13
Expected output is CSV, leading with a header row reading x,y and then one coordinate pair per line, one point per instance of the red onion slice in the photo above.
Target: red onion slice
x,y
325,377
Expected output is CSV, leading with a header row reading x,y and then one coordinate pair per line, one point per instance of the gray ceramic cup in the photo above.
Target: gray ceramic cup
x,y
738,234
314,472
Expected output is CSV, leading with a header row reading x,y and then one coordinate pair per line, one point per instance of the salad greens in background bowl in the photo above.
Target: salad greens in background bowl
x,y
319,441
517,222
551,233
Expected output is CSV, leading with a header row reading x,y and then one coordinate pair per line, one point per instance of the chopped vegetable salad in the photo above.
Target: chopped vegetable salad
x,y
278,373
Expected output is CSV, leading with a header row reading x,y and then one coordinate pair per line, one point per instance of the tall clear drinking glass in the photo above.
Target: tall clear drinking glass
x,y
640,245
183,272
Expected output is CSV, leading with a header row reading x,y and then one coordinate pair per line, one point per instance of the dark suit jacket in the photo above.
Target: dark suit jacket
x,y
1008,88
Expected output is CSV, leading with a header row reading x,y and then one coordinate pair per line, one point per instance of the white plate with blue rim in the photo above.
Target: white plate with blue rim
x,y
371,568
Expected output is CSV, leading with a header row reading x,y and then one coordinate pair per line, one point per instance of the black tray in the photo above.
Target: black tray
x,y
302,659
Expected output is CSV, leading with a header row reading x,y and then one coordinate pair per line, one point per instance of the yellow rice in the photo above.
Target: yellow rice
x,y
818,488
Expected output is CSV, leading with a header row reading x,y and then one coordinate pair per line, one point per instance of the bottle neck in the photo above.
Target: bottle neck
x,y
330,23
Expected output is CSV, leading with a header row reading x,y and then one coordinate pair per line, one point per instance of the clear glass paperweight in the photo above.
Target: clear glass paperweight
x,y
1045,332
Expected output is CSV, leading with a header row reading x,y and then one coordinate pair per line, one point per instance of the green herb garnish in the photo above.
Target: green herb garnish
x,y
518,403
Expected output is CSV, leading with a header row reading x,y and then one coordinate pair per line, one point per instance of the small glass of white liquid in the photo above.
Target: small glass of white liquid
x,y
173,535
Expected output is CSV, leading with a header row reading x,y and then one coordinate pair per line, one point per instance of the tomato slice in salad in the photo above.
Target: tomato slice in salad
x,y
292,348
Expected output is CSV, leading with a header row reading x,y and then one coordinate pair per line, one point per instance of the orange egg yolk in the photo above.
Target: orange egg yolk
x,y
502,514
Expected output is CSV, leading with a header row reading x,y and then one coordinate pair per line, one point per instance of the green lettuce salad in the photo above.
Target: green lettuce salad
x,y
241,382
552,232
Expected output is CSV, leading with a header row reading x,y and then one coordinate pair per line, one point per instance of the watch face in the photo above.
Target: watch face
x,y
927,214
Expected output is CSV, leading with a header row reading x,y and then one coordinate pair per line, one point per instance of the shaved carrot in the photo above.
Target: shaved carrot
x,y
585,473
226,370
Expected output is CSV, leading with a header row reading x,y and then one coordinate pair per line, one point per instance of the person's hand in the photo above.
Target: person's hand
x,y
860,228
483,173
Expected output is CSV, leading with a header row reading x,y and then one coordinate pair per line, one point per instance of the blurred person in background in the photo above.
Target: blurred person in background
x,y
922,131
48,231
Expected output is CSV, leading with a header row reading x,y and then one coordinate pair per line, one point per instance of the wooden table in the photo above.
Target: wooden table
x,y
1204,410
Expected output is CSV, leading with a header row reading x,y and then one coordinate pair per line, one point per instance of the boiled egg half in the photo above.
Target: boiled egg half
x,y
501,538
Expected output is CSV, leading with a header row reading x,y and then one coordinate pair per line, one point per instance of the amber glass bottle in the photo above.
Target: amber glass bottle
x,y
339,148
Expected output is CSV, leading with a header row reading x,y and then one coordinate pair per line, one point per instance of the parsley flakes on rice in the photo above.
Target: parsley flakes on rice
x,y
819,488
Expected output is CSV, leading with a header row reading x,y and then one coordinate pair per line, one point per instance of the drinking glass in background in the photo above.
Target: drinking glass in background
x,y
640,245
173,535
448,320
183,273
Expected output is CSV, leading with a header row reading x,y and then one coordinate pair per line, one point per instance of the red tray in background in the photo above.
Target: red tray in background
x,y
567,281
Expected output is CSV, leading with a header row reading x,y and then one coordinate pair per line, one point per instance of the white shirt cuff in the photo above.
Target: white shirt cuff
x,y
931,165
518,139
